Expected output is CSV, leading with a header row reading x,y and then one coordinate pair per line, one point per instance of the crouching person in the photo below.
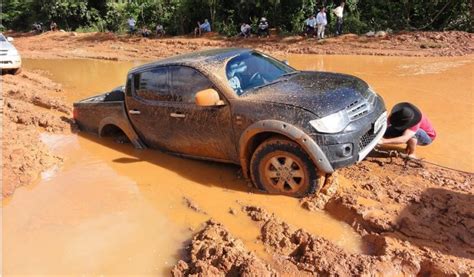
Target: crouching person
x,y
245,30
408,125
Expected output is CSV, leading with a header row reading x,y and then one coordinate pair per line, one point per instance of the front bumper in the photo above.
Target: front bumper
x,y
10,62
357,140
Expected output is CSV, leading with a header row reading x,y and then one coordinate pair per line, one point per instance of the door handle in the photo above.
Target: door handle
x,y
134,112
177,115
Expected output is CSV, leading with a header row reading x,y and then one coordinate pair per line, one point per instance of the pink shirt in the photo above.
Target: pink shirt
x,y
426,126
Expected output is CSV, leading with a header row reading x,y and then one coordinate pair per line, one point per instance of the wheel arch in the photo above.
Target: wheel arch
x,y
262,130
111,122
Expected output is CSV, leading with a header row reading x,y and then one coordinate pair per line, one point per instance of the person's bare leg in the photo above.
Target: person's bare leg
x,y
411,146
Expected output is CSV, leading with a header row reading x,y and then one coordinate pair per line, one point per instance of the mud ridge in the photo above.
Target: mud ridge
x,y
215,252
32,104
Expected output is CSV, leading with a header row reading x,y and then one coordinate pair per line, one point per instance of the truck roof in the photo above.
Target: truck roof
x,y
207,59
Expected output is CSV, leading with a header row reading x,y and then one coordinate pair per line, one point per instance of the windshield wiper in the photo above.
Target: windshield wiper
x,y
279,79
288,74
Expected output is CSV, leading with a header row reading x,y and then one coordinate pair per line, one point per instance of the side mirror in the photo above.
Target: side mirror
x,y
208,97
10,39
286,62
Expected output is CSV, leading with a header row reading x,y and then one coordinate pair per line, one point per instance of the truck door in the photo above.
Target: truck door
x,y
173,121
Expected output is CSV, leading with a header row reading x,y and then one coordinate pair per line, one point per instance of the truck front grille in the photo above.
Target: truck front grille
x,y
357,109
367,138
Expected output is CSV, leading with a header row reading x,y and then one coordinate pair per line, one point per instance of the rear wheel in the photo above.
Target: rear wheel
x,y
281,166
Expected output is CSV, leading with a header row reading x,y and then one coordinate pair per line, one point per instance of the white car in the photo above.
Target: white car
x,y
10,59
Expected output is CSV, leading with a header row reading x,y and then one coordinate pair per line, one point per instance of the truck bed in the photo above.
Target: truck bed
x,y
95,114
89,112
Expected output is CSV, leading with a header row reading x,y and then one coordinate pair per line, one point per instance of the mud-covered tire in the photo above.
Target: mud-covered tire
x,y
16,71
281,166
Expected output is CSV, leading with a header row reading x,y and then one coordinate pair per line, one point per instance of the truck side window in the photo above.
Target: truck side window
x,y
186,82
153,85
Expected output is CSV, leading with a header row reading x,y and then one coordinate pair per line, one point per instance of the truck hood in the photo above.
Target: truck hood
x,y
322,93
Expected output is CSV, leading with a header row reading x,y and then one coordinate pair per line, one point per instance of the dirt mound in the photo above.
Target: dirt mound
x,y
215,252
319,256
109,46
425,206
31,104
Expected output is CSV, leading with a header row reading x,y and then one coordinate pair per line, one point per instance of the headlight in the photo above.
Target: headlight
x,y
331,124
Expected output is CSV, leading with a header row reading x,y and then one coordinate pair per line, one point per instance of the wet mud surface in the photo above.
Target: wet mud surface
x,y
102,207
32,104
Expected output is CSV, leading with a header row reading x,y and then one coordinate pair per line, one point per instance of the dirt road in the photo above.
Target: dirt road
x,y
111,47
414,218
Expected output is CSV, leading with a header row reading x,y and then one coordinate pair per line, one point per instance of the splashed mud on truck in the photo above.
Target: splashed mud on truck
x,y
284,127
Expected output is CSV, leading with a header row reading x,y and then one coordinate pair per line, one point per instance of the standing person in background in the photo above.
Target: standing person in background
x,y
321,21
263,28
131,25
339,12
310,26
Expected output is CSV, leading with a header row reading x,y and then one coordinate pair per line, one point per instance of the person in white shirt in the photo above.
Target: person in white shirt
x,y
245,30
310,26
339,12
321,21
160,31
131,25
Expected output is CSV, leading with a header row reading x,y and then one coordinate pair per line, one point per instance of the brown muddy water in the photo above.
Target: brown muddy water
x,y
112,209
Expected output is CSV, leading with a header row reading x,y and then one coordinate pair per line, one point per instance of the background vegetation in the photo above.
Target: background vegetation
x,y
180,16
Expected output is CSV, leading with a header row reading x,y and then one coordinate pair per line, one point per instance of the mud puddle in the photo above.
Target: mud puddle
x,y
112,209
83,78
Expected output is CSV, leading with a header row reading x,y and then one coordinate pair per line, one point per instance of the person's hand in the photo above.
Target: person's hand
x,y
381,141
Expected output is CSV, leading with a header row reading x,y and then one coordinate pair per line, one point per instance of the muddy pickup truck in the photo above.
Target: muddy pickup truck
x,y
283,126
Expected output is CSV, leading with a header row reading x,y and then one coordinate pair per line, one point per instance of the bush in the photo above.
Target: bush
x,y
354,25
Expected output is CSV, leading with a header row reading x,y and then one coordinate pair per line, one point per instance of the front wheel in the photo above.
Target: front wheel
x,y
281,166
16,71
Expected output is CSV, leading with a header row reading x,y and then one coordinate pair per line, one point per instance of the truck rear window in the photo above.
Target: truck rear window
x,y
153,85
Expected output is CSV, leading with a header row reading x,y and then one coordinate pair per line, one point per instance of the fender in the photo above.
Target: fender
x,y
126,127
297,135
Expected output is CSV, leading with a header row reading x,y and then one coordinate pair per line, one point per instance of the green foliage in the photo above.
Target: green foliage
x,y
227,27
354,25
181,16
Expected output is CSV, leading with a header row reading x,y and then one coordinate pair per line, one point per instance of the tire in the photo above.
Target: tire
x,y
281,166
16,71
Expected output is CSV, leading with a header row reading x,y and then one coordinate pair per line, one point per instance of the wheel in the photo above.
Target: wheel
x,y
281,166
16,71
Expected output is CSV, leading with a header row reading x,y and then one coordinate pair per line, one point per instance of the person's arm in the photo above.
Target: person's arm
x,y
407,135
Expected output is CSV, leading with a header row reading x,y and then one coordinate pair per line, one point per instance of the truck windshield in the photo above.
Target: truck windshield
x,y
250,70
